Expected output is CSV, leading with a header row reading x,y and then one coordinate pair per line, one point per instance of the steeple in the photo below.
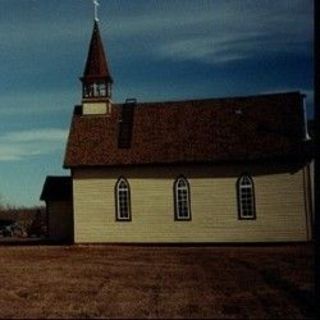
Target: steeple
x,y
96,80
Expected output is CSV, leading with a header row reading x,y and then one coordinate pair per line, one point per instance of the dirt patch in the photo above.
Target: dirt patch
x,y
156,282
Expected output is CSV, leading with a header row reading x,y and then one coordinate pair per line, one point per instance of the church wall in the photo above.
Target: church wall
x,y
281,210
311,168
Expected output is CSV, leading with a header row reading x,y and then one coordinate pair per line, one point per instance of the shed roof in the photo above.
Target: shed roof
x,y
57,188
240,128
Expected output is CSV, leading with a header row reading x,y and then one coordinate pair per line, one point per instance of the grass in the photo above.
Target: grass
x,y
156,282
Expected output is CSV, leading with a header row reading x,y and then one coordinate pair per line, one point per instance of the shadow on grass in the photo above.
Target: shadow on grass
x,y
303,299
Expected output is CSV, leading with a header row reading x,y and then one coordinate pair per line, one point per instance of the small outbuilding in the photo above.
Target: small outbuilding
x,y
57,194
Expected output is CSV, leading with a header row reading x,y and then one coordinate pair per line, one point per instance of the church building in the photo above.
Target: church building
x,y
220,170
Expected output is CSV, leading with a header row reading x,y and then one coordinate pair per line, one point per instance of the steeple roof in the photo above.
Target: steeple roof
x,y
96,65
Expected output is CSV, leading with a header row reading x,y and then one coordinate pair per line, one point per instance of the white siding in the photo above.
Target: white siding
x,y
279,192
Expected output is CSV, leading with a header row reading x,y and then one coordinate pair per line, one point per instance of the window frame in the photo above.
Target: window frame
x,y
117,205
239,198
177,217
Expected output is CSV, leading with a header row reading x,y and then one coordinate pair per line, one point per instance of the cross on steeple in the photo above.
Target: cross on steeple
x,y
96,5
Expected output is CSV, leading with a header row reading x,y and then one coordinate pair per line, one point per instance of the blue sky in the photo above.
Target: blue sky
x,y
157,50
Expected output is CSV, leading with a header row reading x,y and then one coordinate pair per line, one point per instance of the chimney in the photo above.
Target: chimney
x,y
126,124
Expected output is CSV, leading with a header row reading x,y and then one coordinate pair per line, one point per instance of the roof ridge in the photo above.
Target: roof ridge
x,y
214,98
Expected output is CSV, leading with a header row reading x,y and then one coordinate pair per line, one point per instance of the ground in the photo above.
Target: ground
x,y
156,282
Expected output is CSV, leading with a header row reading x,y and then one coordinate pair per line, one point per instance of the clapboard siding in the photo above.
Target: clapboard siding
x,y
280,205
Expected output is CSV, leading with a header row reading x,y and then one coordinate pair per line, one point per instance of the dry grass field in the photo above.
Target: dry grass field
x,y
156,282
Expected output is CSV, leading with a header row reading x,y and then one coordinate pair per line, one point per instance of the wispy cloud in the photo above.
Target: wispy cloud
x,y
35,135
228,49
217,50
37,103
239,32
20,145
180,30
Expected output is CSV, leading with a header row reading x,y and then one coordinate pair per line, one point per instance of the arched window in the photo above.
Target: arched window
x,y
182,199
123,205
246,199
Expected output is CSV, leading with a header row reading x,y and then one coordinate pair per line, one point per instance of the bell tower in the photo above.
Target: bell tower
x,y
96,80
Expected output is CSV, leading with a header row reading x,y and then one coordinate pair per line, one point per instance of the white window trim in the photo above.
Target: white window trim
x,y
187,189
250,186
127,189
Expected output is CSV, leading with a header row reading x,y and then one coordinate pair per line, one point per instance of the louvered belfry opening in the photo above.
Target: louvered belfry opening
x,y
96,88
126,124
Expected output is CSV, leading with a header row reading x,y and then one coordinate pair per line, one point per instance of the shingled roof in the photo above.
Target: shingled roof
x,y
242,128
